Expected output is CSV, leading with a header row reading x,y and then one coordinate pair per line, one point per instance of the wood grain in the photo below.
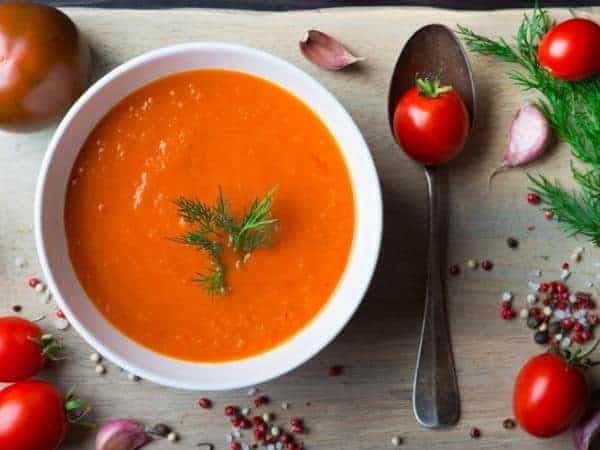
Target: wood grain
x,y
371,402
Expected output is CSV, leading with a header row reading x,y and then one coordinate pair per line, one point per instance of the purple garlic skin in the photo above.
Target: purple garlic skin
x,y
528,137
121,434
586,430
326,51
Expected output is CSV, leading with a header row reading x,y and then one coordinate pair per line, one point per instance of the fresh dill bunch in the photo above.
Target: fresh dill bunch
x,y
216,223
573,111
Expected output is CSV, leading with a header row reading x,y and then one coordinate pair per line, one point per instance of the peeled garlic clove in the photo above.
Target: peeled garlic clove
x,y
121,434
326,51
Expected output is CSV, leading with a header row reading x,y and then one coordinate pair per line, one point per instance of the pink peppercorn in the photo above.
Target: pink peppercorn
x,y
533,199
204,403
487,265
544,287
235,446
508,314
33,282
60,314
548,215
230,410
285,438
334,371
261,400
565,266
454,270
475,433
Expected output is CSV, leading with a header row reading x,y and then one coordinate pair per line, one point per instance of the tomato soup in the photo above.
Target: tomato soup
x,y
191,134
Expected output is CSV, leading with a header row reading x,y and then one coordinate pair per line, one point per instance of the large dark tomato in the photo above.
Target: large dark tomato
x,y
431,123
44,65
571,50
549,396
32,417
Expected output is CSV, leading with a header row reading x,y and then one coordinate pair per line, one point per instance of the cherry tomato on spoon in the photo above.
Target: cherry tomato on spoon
x,y
571,50
23,349
431,122
551,393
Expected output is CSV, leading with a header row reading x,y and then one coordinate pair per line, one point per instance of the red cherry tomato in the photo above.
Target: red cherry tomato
x,y
571,50
32,417
20,349
549,396
431,125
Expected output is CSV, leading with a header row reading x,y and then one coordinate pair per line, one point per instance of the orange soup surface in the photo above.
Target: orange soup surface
x,y
188,135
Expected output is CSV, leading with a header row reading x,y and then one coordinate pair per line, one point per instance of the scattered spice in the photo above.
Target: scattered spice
x,y
487,265
95,357
533,199
172,437
230,410
454,270
205,403
475,433
60,314
261,400
334,371
160,429
549,215
397,441
17,308
33,282
509,424
100,369
472,264
512,242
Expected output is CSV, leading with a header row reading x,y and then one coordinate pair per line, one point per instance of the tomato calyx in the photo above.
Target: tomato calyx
x,y
578,358
51,347
430,87
76,410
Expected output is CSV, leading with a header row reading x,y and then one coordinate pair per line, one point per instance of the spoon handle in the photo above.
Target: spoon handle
x,y
435,390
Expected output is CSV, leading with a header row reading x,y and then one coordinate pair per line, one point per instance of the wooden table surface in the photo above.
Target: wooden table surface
x,y
371,401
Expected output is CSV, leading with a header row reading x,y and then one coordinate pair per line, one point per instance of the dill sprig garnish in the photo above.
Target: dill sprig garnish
x,y
216,225
573,111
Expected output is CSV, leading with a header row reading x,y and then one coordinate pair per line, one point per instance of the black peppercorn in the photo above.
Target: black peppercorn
x,y
554,328
512,242
541,337
509,424
533,322
160,429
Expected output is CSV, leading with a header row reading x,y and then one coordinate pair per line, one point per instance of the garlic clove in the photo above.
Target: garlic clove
x,y
326,51
121,434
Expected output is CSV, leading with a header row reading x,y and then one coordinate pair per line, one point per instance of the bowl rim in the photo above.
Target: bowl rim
x,y
367,266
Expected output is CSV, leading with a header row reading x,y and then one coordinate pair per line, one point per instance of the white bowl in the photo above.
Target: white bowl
x,y
52,244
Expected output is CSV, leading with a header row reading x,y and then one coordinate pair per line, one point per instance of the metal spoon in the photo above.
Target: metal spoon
x,y
434,49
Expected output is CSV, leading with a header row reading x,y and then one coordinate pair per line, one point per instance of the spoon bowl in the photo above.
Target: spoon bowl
x,y
434,50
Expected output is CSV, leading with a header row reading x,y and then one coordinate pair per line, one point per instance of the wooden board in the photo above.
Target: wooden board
x,y
371,402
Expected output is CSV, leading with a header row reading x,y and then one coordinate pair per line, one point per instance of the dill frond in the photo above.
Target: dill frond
x,y
573,111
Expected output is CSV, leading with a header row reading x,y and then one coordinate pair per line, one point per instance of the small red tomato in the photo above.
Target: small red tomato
x,y
571,50
550,395
431,123
23,349
32,417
